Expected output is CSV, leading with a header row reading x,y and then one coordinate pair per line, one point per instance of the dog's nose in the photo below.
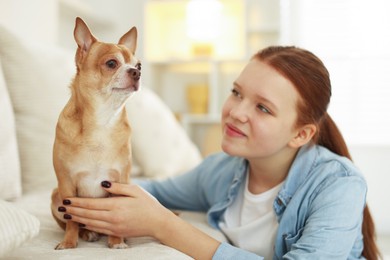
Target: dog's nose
x,y
134,73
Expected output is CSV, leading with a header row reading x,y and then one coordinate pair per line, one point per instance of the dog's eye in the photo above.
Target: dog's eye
x,y
138,66
112,64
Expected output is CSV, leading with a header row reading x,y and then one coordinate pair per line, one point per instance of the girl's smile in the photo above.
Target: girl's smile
x,y
232,131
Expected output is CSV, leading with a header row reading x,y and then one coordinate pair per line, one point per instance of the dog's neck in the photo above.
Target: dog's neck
x,y
96,111
108,114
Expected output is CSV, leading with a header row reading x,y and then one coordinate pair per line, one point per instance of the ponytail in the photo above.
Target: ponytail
x,y
330,137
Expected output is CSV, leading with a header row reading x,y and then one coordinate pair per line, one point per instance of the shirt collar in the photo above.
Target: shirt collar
x,y
298,173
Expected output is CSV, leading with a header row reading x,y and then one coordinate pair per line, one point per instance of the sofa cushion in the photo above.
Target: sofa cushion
x,y
37,77
16,227
10,185
160,143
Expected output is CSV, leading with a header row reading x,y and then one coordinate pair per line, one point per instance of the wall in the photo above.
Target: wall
x,y
374,162
36,20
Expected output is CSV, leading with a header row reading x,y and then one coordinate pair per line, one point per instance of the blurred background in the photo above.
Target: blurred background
x,y
192,50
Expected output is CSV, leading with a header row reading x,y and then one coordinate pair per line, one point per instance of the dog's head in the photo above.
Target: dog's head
x,y
104,69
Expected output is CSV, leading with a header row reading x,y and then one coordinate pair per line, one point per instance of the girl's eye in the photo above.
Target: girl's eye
x,y
112,64
263,109
235,92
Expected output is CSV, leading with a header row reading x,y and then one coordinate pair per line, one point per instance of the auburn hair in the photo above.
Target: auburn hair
x,y
311,79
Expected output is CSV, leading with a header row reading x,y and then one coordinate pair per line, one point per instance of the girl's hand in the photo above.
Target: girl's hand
x,y
131,213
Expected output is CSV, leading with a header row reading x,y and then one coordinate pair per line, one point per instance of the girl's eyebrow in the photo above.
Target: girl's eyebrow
x,y
260,98
267,102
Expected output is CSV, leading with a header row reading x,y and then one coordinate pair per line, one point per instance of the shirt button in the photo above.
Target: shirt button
x,y
279,201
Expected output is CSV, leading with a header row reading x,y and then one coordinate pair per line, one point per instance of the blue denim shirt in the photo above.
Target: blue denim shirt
x,y
319,208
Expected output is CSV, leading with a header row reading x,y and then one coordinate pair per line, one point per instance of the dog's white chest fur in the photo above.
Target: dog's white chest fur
x,y
92,165
88,177
89,183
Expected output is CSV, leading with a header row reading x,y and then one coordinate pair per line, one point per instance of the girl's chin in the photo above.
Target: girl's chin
x,y
230,148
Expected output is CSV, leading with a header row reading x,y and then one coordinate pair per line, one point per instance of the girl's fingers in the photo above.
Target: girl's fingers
x,y
90,203
130,190
92,214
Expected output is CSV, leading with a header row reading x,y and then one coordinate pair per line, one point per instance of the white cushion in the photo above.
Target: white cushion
x,y
160,144
10,184
16,227
37,78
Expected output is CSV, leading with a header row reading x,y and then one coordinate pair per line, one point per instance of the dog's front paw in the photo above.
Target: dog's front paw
x,y
116,243
122,245
66,245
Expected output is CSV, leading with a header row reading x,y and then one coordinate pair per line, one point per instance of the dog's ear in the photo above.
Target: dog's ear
x,y
83,35
129,39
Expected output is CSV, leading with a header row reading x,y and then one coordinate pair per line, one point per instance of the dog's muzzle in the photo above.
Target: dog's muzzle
x,y
135,74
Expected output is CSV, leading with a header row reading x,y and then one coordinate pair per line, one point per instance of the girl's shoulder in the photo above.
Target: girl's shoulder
x,y
316,166
335,164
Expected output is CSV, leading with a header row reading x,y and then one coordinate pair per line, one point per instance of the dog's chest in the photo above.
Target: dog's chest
x,y
96,160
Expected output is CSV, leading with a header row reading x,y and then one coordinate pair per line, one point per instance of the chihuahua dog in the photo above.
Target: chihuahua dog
x,y
92,142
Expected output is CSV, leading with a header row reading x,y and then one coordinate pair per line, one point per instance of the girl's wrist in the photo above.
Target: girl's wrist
x,y
164,223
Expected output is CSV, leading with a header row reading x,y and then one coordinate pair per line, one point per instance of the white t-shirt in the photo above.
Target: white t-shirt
x,y
250,222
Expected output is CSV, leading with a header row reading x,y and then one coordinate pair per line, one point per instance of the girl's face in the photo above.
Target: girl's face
x,y
259,116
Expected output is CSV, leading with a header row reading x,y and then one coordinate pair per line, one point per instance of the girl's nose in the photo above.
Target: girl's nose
x,y
240,112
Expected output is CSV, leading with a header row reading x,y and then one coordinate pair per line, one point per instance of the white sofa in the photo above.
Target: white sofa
x,y
34,80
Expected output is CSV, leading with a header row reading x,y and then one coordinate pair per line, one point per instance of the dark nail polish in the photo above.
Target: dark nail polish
x,y
67,216
81,225
61,209
66,202
106,184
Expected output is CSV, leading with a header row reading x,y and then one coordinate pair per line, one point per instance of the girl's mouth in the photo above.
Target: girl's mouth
x,y
233,131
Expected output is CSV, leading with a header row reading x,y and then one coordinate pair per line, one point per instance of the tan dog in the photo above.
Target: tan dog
x,y
92,141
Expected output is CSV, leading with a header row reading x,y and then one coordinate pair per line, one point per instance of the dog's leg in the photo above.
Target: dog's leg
x,y
72,228
116,242
71,236
55,203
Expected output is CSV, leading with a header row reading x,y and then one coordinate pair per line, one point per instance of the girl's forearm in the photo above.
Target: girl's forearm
x,y
179,234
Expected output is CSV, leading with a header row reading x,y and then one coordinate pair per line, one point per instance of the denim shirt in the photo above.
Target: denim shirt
x,y
319,208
